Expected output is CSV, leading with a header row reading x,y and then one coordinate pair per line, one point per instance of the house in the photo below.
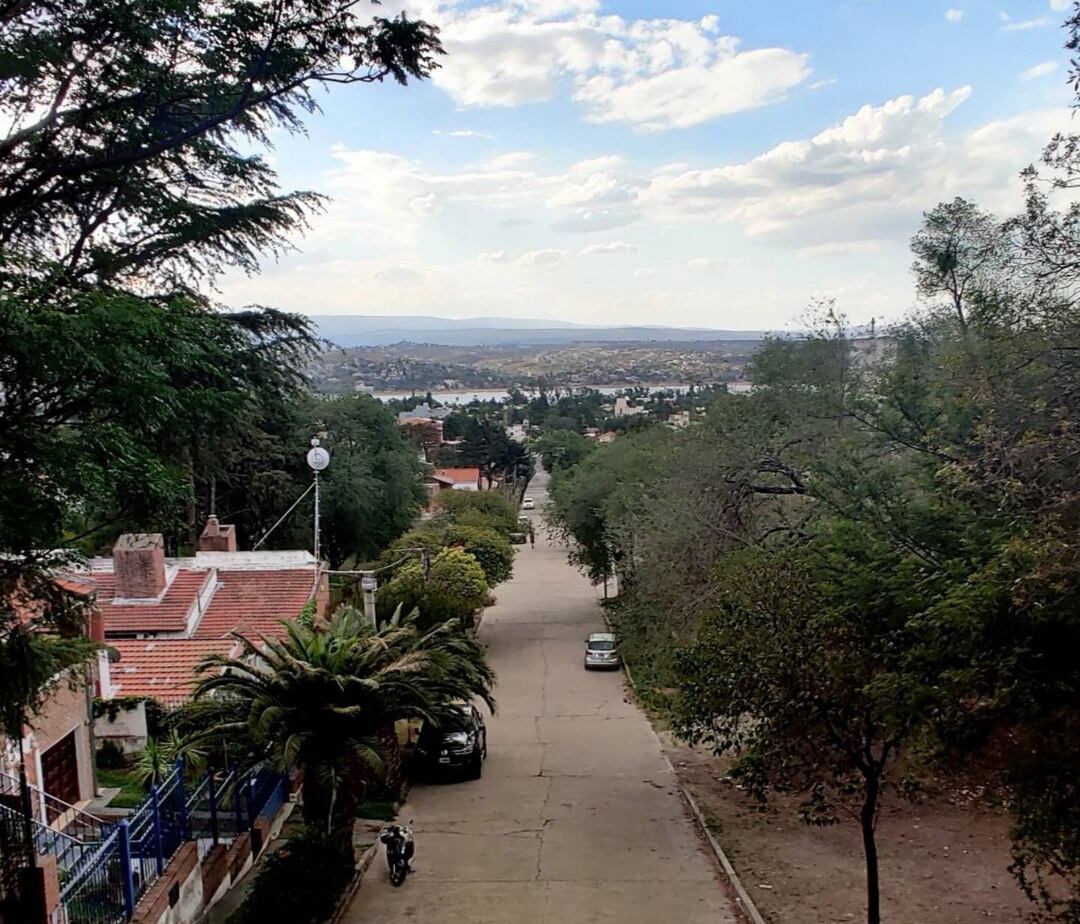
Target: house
x,y
424,412
623,408
462,479
680,420
428,432
57,743
164,615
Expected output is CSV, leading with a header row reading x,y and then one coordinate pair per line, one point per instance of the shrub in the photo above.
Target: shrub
x,y
455,589
498,512
110,757
301,881
489,547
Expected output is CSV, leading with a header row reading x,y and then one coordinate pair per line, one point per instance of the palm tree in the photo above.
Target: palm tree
x,y
323,698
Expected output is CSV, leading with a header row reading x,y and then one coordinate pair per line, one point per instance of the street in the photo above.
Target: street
x,y
576,818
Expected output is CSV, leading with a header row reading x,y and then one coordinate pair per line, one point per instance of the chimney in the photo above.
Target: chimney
x,y
217,538
139,565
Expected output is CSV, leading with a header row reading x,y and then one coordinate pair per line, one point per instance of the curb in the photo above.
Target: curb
x,y
364,863
366,859
742,897
746,903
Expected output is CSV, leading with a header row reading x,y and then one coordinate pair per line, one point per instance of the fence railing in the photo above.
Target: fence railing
x,y
53,813
107,882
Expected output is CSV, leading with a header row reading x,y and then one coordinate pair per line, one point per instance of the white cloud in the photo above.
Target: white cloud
x,y
652,73
548,256
954,15
463,133
400,275
489,236
614,247
821,84
1060,4
685,96
1022,25
714,264
834,249
1039,70
868,176
869,159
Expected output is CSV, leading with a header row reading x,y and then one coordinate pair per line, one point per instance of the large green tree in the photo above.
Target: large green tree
x,y
129,179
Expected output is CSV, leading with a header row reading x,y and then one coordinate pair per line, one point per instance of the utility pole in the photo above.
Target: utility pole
x,y
368,585
317,460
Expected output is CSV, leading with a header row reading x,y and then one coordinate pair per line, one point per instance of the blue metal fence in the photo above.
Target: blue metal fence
x,y
109,877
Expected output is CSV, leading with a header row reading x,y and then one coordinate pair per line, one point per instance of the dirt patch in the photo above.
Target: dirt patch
x,y
940,863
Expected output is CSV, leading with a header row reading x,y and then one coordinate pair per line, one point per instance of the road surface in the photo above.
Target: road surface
x,y
576,818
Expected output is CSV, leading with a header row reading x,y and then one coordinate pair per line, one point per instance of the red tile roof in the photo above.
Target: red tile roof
x,y
252,602
459,475
255,602
168,615
161,668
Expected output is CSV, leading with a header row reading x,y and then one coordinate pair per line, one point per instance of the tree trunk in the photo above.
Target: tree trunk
x,y
867,819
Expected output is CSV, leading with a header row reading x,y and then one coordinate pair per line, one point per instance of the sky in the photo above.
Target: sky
x,y
717,164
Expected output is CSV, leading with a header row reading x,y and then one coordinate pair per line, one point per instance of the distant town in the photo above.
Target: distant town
x,y
435,367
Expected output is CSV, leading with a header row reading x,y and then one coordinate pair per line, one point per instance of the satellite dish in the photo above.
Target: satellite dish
x,y
317,457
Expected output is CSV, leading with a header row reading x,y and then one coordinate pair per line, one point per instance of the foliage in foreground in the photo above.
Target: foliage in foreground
x,y
301,881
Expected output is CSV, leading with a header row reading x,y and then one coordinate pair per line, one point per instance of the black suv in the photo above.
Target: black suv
x,y
459,743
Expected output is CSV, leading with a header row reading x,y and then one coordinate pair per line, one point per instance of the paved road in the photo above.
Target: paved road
x,y
576,818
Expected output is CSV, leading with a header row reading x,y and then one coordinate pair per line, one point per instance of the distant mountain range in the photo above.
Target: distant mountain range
x,y
356,330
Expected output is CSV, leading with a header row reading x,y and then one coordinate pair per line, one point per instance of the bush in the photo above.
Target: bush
x,y
300,882
455,589
489,547
157,717
496,511
110,757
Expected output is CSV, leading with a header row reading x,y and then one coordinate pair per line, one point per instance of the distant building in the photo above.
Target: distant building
x,y
463,479
623,407
429,431
424,412
680,420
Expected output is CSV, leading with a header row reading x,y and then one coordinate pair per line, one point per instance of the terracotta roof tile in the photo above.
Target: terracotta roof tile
x,y
168,615
459,475
255,602
252,602
161,668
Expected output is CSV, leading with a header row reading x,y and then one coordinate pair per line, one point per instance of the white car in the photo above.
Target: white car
x,y
601,652
528,504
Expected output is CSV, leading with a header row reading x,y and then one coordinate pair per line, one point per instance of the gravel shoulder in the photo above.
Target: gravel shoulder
x,y
940,863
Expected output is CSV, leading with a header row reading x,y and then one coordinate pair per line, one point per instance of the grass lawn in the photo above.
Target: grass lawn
x,y
377,810
131,791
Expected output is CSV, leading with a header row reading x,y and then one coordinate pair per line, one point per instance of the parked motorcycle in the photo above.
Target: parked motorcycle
x,y
398,841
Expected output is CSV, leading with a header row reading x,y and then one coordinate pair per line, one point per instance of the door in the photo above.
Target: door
x,y
60,769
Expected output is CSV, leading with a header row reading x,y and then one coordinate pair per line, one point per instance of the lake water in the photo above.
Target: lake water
x,y
465,397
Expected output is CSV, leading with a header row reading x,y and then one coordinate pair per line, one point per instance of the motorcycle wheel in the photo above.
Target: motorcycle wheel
x,y
398,872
